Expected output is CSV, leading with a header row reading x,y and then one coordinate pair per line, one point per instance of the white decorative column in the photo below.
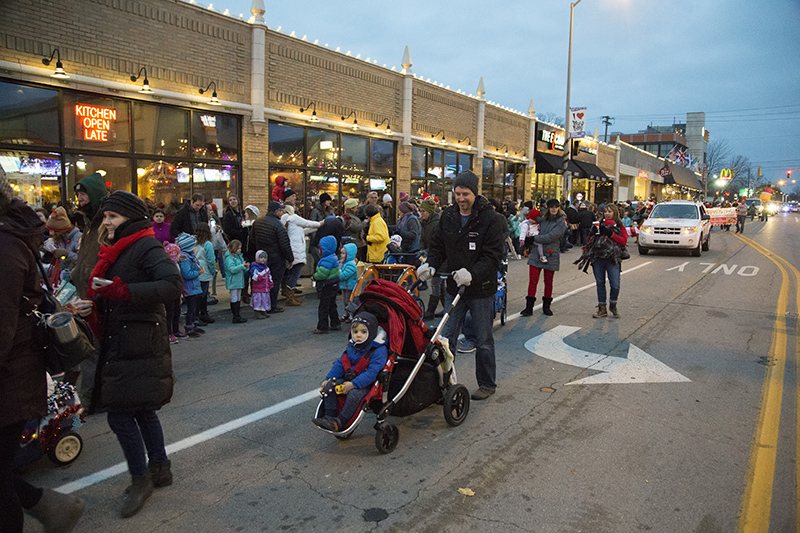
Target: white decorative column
x,y
408,98
257,66
528,194
481,118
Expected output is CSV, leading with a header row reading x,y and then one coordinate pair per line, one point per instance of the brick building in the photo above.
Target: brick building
x,y
235,104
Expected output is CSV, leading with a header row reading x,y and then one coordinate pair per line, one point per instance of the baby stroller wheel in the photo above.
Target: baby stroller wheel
x,y
386,438
66,449
456,404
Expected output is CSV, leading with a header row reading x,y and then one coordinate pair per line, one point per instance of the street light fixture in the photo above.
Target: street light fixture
x,y
567,143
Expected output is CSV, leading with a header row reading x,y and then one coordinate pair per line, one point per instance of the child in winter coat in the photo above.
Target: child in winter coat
x,y
208,266
174,308
529,228
260,284
348,275
394,247
327,278
356,371
235,267
192,292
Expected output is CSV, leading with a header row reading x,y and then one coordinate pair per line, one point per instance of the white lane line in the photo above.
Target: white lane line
x,y
570,293
227,427
188,442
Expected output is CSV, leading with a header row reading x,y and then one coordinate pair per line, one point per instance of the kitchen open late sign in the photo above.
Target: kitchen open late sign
x,y
95,121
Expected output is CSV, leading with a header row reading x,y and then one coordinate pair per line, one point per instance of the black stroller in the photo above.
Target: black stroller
x,y
419,371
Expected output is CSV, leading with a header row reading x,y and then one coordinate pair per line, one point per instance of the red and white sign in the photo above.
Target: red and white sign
x,y
94,121
577,120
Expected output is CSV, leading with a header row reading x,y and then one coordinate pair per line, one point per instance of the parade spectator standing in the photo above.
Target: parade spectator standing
x,y
131,282
192,212
89,192
161,228
377,236
430,221
327,278
23,386
605,259
741,215
572,222
469,240
372,198
206,258
64,238
585,220
236,267
232,221
354,228
296,227
409,228
268,234
322,209
551,227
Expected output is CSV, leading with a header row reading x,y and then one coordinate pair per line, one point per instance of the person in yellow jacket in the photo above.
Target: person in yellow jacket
x,y
378,236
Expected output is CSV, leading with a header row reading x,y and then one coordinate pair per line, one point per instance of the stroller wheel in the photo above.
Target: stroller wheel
x,y
386,438
67,448
456,404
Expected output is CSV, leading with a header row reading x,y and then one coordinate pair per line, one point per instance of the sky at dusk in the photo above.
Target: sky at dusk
x,y
640,61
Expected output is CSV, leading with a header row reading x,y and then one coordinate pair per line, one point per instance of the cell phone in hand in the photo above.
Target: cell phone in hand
x,y
100,282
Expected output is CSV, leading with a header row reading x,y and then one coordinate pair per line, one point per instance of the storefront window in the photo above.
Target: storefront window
x,y
28,115
213,181
450,165
34,177
162,182
382,156
487,175
355,186
354,153
215,136
418,162
323,149
117,171
435,163
96,123
160,130
464,162
285,145
318,183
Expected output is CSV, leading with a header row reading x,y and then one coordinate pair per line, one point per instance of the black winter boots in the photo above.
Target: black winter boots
x,y
236,311
136,495
546,306
529,303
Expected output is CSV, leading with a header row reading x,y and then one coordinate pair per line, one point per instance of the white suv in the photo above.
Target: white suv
x,y
679,224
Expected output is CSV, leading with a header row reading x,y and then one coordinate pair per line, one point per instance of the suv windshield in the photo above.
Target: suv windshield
x,y
674,211
751,201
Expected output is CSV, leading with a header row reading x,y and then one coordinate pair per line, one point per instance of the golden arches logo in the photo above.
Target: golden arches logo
x,y
726,174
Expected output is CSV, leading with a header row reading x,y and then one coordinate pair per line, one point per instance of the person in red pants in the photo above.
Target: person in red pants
x,y
552,226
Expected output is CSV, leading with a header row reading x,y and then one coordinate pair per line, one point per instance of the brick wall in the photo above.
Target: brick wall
x,y
607,159
504,128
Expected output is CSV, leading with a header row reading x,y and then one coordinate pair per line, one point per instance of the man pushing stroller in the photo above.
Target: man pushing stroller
x,y
354,373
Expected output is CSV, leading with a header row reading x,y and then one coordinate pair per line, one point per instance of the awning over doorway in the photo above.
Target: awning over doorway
x,y
593,172
683,177
551,164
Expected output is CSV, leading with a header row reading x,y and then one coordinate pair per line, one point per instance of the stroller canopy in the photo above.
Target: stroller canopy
x,y
398,314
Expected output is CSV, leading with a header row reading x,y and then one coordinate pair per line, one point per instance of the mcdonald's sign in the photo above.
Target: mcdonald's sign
x,y
726,174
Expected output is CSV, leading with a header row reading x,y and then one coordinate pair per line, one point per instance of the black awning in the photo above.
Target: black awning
x,y
683,177
593,172
551,164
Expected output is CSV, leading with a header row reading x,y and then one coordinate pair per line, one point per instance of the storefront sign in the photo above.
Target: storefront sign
x,y
664,172
726,174
643,174
555,140
95,121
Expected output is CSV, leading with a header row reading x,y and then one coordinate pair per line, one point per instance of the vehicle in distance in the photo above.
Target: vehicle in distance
x,y
676,225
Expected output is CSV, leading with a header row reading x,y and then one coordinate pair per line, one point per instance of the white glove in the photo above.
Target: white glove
x,y
462,277
50,245
425,272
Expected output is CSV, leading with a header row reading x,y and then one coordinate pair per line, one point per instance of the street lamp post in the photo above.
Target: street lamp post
x,y
567,141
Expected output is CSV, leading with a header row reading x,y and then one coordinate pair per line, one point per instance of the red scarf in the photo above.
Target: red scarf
x,y
108,255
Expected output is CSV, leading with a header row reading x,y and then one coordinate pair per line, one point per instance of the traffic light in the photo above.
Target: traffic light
x,y
576,147
788,174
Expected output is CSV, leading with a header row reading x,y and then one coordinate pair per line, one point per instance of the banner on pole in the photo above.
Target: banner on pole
x,y
577,117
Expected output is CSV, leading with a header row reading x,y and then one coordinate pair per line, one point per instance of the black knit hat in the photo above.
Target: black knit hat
x,y
467,179
552,202
287,192
325,197
126,204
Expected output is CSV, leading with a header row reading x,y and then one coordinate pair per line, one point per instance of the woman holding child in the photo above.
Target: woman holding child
x,y
552,226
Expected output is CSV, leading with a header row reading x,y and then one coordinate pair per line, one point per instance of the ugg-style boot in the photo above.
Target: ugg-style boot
x,y
237,317
613,308
602,312
160,473
286,291
430,311
546,306
529,303
136,495
58,513
292,300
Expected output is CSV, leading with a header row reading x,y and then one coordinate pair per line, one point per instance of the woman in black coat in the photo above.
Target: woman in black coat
x,y
23,386
132,281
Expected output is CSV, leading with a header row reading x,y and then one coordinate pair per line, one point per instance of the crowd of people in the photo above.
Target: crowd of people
x,y
137,268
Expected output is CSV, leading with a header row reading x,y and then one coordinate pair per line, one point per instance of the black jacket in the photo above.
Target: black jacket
x,y
428,227
585,219
134,369
268,234
232,225
23,389
182,221
333,226
478,247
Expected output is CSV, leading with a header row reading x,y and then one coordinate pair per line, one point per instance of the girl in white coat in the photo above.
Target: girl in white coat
x,y
297,227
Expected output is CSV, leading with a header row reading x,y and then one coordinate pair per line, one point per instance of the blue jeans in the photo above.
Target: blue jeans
x,y
601,267
482,311
292,275
135,432
331,402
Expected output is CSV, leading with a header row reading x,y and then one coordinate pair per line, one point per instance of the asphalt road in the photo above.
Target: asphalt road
x,y
636,448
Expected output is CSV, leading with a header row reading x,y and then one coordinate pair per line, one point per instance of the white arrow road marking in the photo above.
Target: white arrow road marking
x,y
638,367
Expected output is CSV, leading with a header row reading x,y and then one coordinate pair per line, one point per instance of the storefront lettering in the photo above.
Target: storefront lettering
x,y
95,120
555,140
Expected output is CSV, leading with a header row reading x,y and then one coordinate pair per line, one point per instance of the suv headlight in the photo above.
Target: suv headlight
x,y
689,230
647,229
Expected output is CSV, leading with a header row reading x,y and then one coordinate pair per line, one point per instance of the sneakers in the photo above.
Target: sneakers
x,y
482,393
239,320
466,346
173,339
198,329
543,259
329,423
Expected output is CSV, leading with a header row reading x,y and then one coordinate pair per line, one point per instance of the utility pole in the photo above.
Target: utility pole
x,y
607,121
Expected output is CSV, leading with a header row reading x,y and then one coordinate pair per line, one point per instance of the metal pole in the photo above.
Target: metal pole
x,y
567,141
